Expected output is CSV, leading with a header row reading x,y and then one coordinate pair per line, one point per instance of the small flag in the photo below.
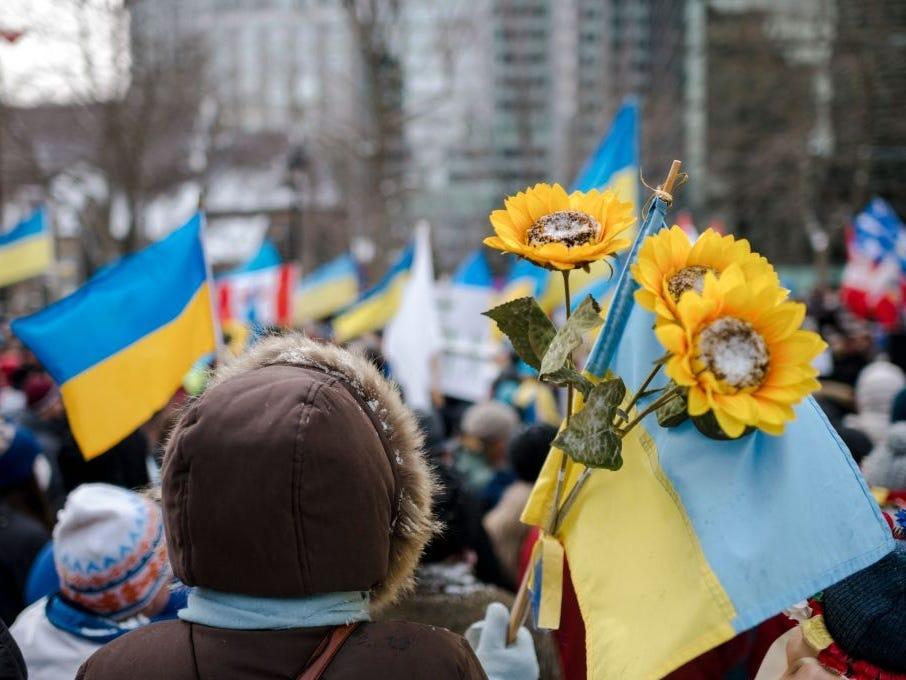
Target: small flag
x,y
327,290
377,305
259,293
120,345
26,250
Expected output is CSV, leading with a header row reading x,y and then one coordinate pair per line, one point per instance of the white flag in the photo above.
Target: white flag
x,y
412,340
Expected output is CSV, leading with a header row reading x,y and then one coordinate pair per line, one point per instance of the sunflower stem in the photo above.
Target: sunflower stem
x,y
561,473
654,406
639,392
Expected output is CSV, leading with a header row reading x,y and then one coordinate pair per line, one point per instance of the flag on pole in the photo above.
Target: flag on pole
x,y
377,305
120,345
615,163
259,293
874,279
328,289
694,540
412,341
26,250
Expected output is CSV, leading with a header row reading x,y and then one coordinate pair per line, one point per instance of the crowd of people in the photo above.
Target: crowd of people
x,y
288,514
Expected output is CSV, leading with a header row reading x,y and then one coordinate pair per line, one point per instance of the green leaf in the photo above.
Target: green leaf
x,y
527,326
590,438
674,412
569,376
586,317
707,424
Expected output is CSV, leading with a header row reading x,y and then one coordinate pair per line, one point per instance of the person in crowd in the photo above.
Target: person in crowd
x,y
886,465
527,453
46,418
111,557
876,387
12,399
854,629
534,401
482,447
125,464
25,519
12,665
297,502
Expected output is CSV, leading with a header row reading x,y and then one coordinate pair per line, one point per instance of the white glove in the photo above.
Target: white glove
x,y
500,662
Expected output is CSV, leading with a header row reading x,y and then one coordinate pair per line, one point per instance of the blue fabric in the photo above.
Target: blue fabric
x,y
18,460
33,225
618,150
474,271
342,267
87,626
43,579
244,612
118,306
267,256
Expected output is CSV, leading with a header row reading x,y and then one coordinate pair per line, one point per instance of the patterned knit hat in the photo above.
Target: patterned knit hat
x,y
110,550
857,625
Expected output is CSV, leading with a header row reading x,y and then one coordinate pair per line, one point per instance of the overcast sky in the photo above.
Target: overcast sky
x,y
47,63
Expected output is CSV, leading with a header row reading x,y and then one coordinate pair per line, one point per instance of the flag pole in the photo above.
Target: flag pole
x,y
521,603
220,348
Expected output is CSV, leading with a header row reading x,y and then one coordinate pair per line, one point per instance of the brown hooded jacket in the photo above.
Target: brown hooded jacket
x,y
297,472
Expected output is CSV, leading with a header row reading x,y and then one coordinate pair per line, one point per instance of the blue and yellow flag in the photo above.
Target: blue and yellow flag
x,y
26,250
328,289
377,305
693,540
615,163
120,345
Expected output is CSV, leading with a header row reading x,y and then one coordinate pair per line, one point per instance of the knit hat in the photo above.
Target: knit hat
x,y
857,625
110,550
18,451
877,385
490,420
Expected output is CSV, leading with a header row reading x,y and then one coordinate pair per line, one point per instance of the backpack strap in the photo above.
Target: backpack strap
x,y
326,651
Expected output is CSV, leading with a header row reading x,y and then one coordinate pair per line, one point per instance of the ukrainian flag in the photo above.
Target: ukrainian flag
x,y
377,305
26,250
615,163
120,345
693,541
328,289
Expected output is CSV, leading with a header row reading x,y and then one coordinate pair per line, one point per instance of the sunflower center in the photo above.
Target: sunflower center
x,y
734,352
688,278
569,227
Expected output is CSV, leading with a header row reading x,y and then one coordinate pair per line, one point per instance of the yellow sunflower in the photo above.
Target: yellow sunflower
x,y
740,353
669,265
563,231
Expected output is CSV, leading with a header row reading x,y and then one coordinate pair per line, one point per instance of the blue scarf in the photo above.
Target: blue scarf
x,y
245,612
85,625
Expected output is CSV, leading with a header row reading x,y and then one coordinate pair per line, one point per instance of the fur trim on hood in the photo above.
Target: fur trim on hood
x,y
414,524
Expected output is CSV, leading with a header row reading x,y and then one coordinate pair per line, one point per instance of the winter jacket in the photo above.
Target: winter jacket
x,y
12,665
298,472
21,538
50,653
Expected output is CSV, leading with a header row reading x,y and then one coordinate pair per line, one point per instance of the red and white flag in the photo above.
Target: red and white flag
x,y
262,297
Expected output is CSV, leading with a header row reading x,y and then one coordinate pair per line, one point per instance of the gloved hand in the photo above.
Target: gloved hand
x,y
500,662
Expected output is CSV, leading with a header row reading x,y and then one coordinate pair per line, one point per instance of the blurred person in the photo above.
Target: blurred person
x,y
481,455
856,441
12,399
25,519
297,501
111,557
534,401
46,418
876,387
854,629
898,409
527,453
885,466
12,665
125,464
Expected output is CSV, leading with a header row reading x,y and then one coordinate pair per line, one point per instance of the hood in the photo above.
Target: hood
x,y
298,471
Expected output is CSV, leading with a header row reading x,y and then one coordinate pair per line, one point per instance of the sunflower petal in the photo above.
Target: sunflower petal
x,y
729,424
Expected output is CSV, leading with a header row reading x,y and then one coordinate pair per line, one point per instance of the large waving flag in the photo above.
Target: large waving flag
x,y
694,540
26,250
327,290
120,345
377,305
258,293
615,163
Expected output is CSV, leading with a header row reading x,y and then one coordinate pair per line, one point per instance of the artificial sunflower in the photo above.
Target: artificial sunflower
x,y
740,353
562,231
668,265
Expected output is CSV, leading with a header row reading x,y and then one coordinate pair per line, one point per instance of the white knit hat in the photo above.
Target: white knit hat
x,y
110,550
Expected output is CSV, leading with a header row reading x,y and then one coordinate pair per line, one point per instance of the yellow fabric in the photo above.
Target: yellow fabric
x,y
324,300
617,524
880,494
113,398
371,314
22,260
530,392
816,634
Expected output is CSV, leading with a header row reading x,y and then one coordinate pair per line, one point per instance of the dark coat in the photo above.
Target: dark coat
x,y
12,665
175,650
21,539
